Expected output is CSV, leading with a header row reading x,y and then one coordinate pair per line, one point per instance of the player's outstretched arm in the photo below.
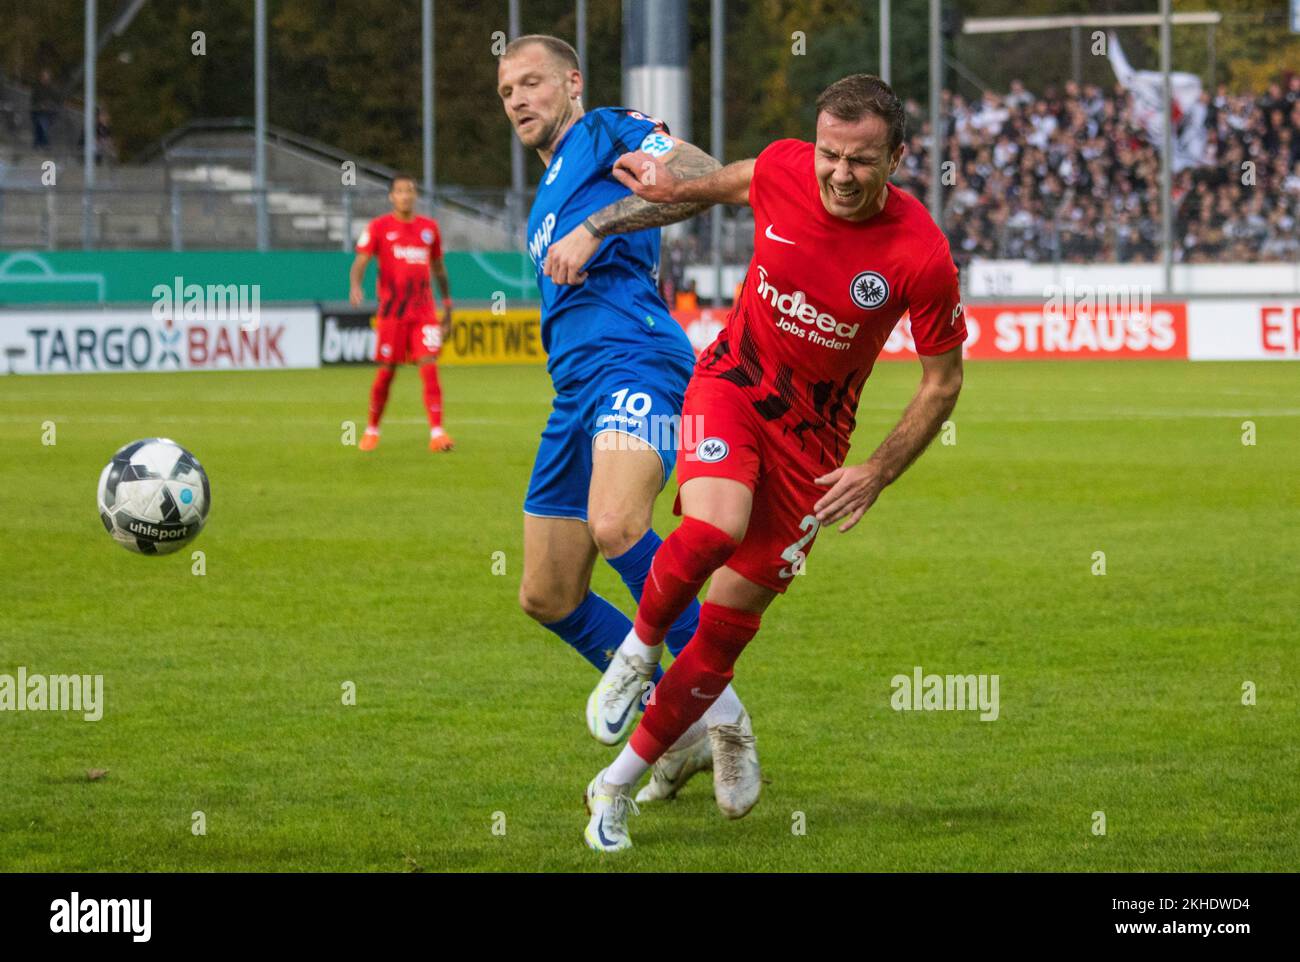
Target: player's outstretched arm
x,y
677,181
854,488
641,173
685,164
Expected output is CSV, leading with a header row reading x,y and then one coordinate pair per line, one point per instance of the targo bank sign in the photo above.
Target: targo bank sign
x,y
152,339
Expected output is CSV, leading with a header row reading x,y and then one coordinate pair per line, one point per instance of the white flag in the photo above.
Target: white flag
x,y
1146,92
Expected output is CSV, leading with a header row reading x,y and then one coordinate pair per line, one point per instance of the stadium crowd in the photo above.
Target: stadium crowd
x,y
1071,176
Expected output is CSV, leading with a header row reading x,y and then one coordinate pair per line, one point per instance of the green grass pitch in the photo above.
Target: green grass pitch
x,y
1120,693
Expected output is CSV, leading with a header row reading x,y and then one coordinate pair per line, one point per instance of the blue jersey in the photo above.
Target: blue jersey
x,y
617,310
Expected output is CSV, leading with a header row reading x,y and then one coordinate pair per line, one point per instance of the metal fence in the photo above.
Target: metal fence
x,y
188,218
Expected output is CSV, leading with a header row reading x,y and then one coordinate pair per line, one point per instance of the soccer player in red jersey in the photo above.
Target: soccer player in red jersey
x,y
840,256
409,248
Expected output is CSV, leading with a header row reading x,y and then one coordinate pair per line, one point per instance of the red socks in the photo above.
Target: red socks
x,y
432,394
680,567
695,680
379,394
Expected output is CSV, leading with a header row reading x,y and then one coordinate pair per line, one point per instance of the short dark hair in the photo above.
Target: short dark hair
x,y
400,177
556,47
860,94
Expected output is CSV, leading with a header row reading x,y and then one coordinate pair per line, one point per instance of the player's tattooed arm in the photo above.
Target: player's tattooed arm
x,y
685,163
854,488
663,182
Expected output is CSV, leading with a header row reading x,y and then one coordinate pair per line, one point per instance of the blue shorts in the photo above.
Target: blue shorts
x,y
641,397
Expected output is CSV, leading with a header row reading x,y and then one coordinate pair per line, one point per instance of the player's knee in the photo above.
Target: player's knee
x,y
704,543
616,532
545,607
734,526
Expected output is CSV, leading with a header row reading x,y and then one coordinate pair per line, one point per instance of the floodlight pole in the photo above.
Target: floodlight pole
x,y
516,146
259,123
716,120
515,205
88,126
936,122
885,27
580,14
1167,154
426,93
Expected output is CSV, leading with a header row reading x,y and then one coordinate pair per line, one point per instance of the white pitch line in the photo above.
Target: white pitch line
x,y
983,418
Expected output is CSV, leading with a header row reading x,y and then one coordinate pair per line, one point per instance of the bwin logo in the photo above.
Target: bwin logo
x,y
711,450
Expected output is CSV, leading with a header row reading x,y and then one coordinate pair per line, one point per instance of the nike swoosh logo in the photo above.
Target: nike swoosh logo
x,y
699,694
617,724
771,236
600,832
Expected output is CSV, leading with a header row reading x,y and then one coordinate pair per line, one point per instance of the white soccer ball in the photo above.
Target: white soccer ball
x,y
153,496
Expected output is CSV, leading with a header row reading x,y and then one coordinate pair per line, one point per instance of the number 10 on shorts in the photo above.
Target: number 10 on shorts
x,y
638,404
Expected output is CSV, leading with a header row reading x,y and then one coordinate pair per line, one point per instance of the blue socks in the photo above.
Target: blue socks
x,y
633,566
594,629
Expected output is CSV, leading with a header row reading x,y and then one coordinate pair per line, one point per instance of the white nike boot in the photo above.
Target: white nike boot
x,y
611,706
609,806
737,779
675,768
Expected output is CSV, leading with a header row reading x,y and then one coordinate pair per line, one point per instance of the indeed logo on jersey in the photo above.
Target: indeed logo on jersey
x,y
541,238
796,307
411,254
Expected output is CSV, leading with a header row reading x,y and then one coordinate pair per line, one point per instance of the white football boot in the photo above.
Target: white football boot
x,y
737,779
675,768
612,704
609,806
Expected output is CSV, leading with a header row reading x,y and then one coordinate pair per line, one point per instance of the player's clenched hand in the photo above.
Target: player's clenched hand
x,y
566,256
355,296
647,177
852,491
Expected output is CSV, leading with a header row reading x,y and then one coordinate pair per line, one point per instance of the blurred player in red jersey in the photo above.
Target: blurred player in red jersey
x,y
409,248
840,256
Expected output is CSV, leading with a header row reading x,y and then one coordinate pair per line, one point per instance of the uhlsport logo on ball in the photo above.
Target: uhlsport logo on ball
x,y
153,496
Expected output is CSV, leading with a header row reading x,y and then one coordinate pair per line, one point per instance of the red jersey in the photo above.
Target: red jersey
x,y
821,296
405,250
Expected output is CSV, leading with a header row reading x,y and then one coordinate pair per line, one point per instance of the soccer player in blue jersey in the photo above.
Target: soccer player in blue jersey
x,y
619,363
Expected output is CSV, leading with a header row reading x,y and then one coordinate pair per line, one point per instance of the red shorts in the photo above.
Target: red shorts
x,y
724,437
401,341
